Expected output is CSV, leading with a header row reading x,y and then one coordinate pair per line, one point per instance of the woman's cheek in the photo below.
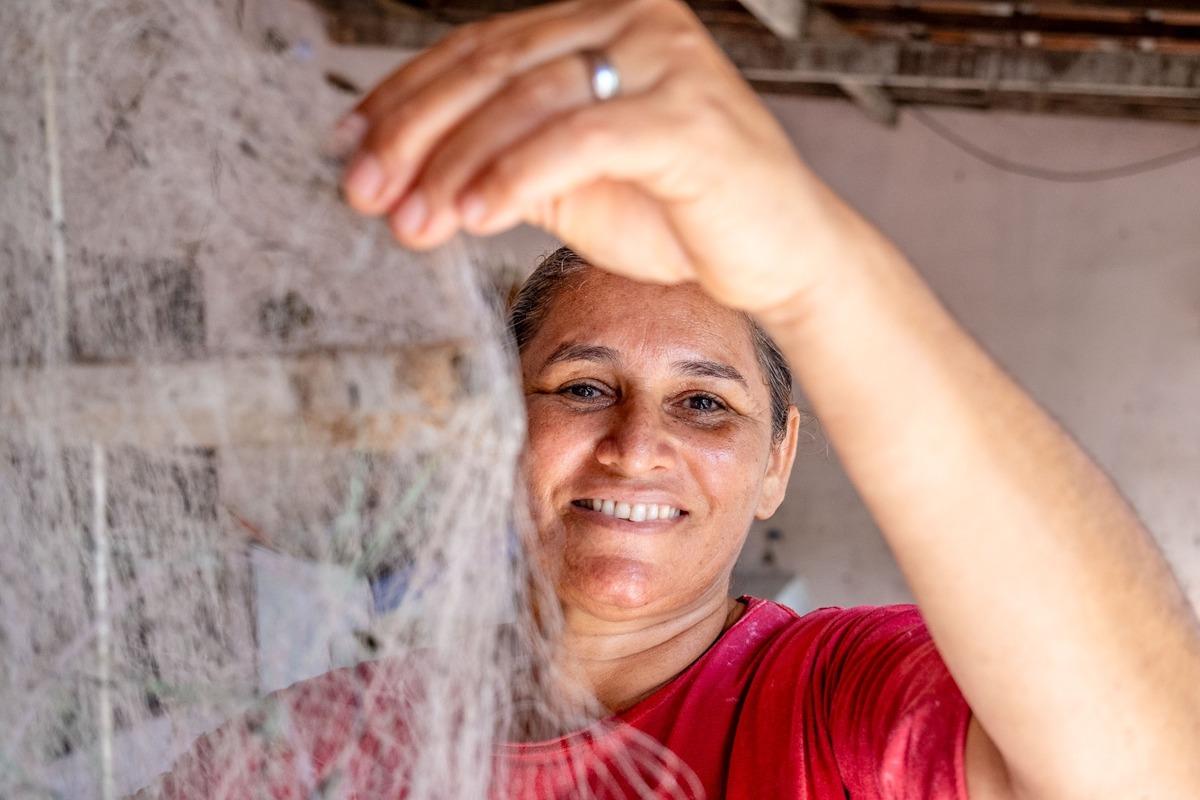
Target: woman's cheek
x,y
728,466
553,429
558,444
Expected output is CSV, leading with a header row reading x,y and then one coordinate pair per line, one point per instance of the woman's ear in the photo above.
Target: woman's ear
x,y
779,467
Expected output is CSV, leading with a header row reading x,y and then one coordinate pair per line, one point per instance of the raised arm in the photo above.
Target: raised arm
x,y
1050,603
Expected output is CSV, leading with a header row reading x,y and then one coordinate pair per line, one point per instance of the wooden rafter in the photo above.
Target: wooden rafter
x,y
989,65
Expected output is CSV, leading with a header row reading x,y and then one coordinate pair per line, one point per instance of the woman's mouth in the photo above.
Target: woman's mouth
x,y
634,512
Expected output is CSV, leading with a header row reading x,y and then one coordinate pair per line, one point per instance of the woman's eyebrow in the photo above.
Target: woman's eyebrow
x,y
710,369
703,368
574,351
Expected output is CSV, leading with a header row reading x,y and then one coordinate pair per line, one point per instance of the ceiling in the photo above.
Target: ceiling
x,y
1099,57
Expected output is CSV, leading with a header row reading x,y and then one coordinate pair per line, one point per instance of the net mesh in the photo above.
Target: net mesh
x,y
246,442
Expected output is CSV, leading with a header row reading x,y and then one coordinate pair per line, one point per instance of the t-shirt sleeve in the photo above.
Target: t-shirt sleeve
x,y
896,719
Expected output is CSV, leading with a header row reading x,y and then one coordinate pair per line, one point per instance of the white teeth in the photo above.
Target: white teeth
x,y
635,512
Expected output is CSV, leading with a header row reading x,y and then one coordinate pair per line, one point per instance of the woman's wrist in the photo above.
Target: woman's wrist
x,y
840,264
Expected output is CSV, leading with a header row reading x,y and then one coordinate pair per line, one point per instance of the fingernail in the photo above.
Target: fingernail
x,y
472,209
411,215
347,135
364,179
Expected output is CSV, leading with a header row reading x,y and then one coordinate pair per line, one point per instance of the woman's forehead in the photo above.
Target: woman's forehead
x,y
641,322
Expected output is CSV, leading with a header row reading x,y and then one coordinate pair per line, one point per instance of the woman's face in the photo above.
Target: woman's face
x,y
647,402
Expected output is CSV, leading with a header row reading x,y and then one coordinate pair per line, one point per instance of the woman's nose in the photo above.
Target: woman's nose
x,y
637,442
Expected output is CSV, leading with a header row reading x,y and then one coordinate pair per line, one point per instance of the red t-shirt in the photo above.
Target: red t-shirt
x,y
838,703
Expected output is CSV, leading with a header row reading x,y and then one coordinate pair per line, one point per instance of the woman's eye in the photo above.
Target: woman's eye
x,y
704,403
582,391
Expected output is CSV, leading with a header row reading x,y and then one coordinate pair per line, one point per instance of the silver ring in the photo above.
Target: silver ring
x,y
603,78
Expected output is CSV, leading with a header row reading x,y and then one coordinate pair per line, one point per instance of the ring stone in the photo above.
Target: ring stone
x,y
604,79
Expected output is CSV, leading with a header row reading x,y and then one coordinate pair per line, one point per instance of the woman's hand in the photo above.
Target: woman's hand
x,y
684,176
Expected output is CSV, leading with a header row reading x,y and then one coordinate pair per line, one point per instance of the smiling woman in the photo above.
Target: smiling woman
x,y
651,447
645,396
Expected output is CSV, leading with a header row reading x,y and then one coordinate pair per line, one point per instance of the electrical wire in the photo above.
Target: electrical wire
x,y
1045,173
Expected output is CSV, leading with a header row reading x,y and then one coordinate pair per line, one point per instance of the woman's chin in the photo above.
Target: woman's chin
x,y
609,584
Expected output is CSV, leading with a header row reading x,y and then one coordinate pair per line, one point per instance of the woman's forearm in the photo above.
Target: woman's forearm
x,y
1049,601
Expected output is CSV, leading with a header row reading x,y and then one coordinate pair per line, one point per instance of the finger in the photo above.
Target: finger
x,y
528,102
401,136
454,47
397,144
428,216
616,140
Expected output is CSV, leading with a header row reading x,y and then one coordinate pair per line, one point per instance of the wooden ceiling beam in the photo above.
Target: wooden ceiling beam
x,y
924,64
1024,39
1152,84
1022,20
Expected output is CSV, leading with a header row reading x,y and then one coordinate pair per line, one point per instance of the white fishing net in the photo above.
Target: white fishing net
x,y
246,440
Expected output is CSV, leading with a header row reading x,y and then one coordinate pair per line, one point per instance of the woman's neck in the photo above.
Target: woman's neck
x,y
623,662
